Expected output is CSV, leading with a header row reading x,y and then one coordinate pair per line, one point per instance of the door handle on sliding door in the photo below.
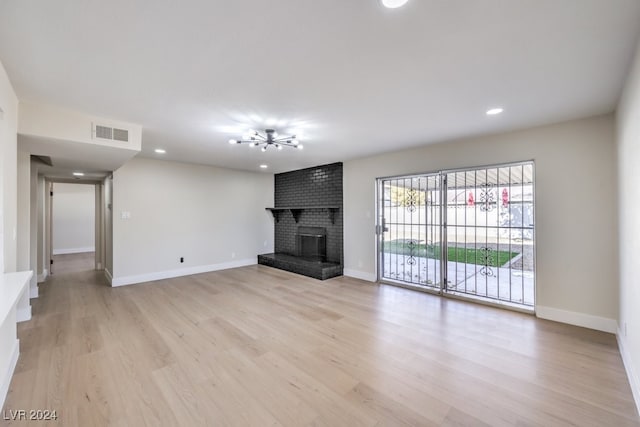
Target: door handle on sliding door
x,y
381,228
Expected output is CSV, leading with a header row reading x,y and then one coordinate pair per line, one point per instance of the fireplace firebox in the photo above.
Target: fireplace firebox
x,y
311,243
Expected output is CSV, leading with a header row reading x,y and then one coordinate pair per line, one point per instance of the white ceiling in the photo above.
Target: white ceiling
x,y
358,79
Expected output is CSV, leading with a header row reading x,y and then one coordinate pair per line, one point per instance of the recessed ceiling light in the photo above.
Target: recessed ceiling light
x,y
160,151
392,4
263,166
494,111
78,174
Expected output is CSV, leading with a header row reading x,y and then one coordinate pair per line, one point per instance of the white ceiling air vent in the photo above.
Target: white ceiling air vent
x,y
109,133
121,135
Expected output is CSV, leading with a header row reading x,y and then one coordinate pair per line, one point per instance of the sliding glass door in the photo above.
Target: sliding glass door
x,y
411,231
463,232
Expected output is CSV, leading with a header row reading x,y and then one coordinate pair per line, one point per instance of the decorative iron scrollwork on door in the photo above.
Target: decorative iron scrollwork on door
x,y
412,200
412,246
486,260
487,198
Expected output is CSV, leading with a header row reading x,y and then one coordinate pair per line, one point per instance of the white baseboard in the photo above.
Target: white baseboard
x,y
74,250
23,314
148,277
33,291
578,319
42,277
109,277
5,381
360,275
628,366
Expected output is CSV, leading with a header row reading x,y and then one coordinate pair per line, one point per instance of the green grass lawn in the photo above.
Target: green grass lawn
x,y
466,255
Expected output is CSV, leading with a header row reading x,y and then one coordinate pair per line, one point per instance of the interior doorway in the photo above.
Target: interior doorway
x,y
73,227
467,233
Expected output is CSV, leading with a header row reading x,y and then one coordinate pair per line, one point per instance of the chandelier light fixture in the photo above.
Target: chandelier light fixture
x,y
269,138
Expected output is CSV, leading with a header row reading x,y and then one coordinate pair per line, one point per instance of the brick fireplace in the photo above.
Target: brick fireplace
x,y
308,222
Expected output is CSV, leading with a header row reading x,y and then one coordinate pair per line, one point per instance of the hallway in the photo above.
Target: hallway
x,y
73,263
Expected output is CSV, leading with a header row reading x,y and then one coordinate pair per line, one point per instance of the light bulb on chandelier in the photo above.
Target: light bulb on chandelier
x,y
269,138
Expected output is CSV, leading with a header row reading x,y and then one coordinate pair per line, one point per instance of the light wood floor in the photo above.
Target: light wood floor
x,y
257,346
71,263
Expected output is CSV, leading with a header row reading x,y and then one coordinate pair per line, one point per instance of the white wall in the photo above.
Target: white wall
x,y
41,247
48,244
33,227
73,219
8,172
213,217
3,132
628,144
24,201
99,226
576,231
9,192
9,226
108,226
27,208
